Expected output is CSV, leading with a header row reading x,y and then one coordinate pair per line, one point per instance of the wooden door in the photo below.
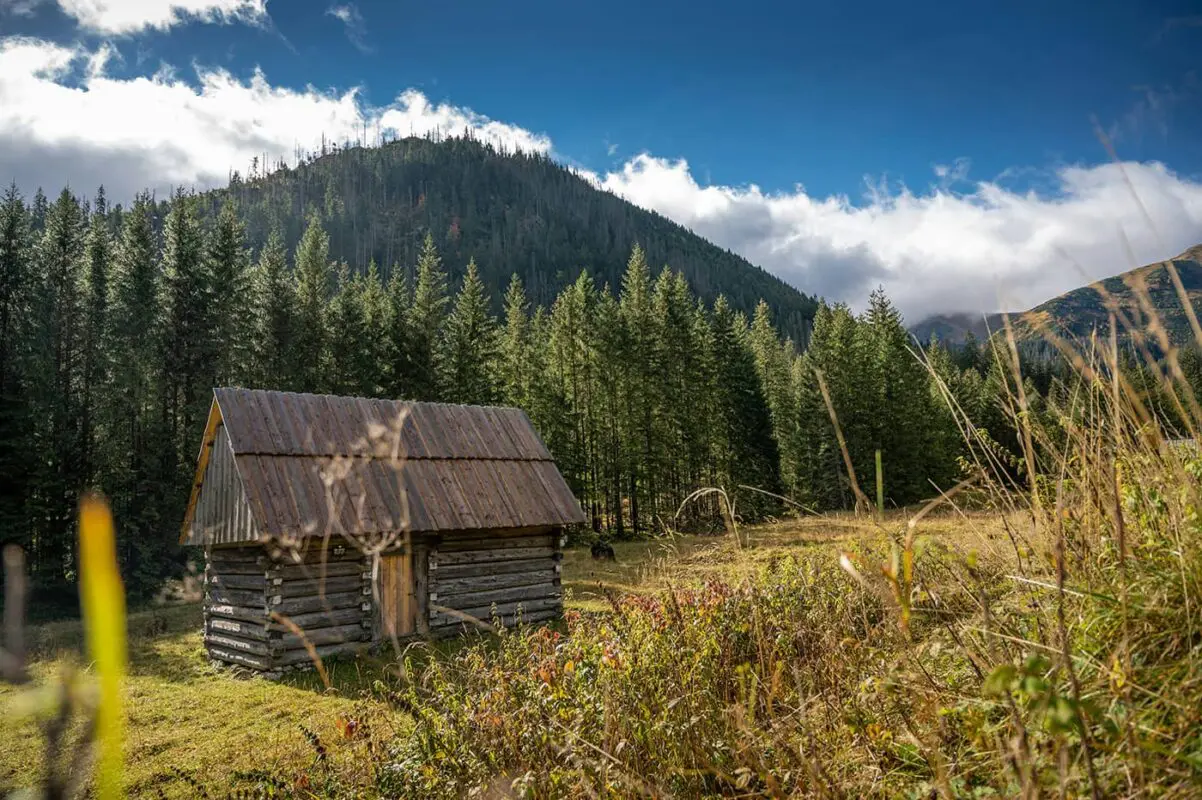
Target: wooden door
x,y
398,598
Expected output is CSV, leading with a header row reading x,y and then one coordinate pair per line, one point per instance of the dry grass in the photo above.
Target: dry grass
x,y
188,722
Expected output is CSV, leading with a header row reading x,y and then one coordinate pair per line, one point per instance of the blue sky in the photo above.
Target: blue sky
x,y
903,109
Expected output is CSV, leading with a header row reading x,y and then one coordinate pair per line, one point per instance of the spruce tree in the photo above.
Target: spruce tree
x,y
16,329
642,362
230,278
399,339
273,319
470,344
349,370
58,375
188,346
135,434
747,450
427,316
311,340
95,354
513,375
377,325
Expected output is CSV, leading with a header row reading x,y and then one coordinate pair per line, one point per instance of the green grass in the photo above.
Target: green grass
x,y
184,718
190,722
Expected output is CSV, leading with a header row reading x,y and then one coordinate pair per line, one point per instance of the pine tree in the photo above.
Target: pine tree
x,y
95,355
682,386
16,328
273,319
470,344
399,339
230,279
642,362
58,373
311,340
136,437
349,370
747,451
427,316
188,347
377,326
513,375
773,364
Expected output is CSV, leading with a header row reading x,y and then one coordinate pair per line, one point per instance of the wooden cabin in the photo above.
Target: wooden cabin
x,y
336,523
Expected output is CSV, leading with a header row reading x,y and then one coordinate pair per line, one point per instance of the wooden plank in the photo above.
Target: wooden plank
x,y
334,569
475,583
317,550
253,555
441,572
235,598
304,588
406,623
202,463
246,568
296,657
313,604
239,628
231,611
472,598
482,556
244,582
451,543
322,636
447,627
396,595
503,609
232,644
323,619
241,659
421,587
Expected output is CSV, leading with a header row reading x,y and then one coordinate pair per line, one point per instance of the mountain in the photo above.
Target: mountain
x,y
1083,310
514,213
1075,314
954,328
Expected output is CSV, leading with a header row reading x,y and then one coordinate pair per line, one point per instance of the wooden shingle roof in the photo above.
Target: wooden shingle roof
x,y
312,464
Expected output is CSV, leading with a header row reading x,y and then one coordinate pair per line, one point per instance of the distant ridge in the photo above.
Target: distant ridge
x,y
1077,313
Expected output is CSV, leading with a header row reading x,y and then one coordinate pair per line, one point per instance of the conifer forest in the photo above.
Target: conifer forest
x,y
117,321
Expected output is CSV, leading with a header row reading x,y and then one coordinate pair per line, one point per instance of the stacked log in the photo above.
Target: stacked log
x,y
257,600
491,576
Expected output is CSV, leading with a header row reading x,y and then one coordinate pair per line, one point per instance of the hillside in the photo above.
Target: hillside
x,y
954,328
514,213
1082,310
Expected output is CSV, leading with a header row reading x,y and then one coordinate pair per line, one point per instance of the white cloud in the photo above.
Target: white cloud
x,y
352,20
414,115
65,121
954,245
938,250
120,17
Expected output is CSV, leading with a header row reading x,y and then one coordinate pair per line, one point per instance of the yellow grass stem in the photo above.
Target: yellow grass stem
x,y
103,600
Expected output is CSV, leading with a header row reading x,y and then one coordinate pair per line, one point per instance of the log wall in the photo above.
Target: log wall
x,y
251,593
514,573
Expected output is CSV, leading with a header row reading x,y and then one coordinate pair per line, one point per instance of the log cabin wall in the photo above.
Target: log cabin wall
x,y
515,571
252,593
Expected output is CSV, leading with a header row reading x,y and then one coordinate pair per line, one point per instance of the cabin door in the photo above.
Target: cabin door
x,y
398,596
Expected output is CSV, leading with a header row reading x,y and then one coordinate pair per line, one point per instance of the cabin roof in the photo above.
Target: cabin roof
x,y
316,464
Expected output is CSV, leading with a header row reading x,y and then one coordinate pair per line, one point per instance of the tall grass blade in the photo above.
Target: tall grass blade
x,y
103,601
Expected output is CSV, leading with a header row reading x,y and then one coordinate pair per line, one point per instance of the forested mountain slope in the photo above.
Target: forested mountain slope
x,y
1075,314
1080,311
514,213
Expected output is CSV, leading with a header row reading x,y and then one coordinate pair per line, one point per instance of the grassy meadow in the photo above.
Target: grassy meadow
x,y
192,727
995,642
